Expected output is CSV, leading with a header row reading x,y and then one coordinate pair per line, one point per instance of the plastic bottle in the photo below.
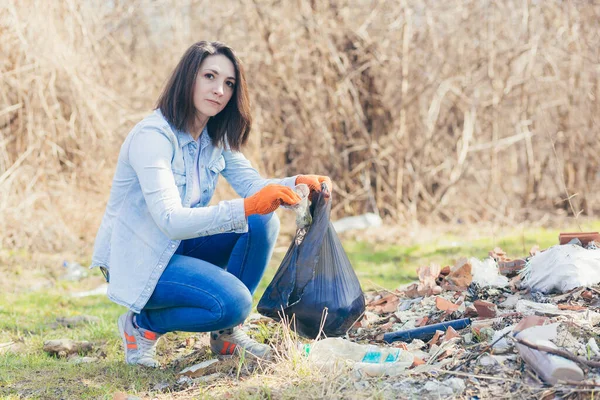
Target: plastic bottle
x,y
74,271
302,209
369,359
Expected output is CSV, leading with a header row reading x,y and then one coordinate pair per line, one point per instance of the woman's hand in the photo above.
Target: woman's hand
x,y
314,182
269,198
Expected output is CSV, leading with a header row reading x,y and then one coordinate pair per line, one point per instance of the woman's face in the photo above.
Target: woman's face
x,y
214,86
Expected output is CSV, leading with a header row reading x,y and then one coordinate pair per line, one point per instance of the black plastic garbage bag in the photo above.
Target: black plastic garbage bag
x,y
315,275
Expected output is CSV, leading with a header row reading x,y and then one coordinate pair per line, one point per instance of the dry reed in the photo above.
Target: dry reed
x,y
419,110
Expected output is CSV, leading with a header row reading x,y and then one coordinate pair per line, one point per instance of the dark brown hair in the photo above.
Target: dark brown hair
x,y
176,102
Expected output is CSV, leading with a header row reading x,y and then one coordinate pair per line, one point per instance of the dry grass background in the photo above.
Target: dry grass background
x,y
421,110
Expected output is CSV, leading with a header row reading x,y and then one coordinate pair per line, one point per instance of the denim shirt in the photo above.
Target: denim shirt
x,y
148,211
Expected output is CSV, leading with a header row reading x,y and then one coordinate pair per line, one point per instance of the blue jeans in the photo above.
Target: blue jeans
x,y
209,282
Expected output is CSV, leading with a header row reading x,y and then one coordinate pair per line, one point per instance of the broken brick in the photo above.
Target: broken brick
x,y
511,267
400,345
417,361
584,237
470,311
587,295
460,276
435,338
485,309
444,305
450,334
529,321
386,304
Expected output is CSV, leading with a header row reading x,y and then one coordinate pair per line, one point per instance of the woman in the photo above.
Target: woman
x,y
176,263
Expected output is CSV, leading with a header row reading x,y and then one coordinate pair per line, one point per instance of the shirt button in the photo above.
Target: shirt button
x,y
159,266
222,229
172,245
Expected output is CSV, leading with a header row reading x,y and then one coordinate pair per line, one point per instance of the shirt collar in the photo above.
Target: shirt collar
x,y
183,138
204,138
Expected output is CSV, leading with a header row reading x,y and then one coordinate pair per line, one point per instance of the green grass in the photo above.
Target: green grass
x,y
389,266
28,317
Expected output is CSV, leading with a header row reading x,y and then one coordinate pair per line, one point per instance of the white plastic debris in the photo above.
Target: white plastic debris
x,y
541,332
485,273
527,307
199,369
449,387
363,221
487,361
593,346
562,268
510,302
551,368
502,345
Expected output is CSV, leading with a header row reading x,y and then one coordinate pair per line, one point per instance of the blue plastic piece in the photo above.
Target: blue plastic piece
x,y
425,332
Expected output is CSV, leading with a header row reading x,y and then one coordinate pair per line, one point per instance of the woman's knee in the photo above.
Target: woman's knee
x,y
264,225
237,308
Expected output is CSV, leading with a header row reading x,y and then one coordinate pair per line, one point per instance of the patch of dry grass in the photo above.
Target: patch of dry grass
x,y
422,111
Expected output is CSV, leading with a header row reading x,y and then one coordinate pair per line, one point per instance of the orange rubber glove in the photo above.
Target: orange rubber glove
x,y
269,198
314,182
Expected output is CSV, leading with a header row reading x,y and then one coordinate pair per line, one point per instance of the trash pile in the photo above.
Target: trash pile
x,y
497,324
492,328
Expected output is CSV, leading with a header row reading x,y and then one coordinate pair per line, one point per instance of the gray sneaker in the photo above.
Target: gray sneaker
x,y
140,344
235,341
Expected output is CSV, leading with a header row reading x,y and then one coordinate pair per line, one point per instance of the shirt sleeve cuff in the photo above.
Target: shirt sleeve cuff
x,y
289,181
238,216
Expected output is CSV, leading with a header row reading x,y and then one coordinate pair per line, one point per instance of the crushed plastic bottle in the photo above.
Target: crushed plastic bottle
x,y
302,210
371,360
303,217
